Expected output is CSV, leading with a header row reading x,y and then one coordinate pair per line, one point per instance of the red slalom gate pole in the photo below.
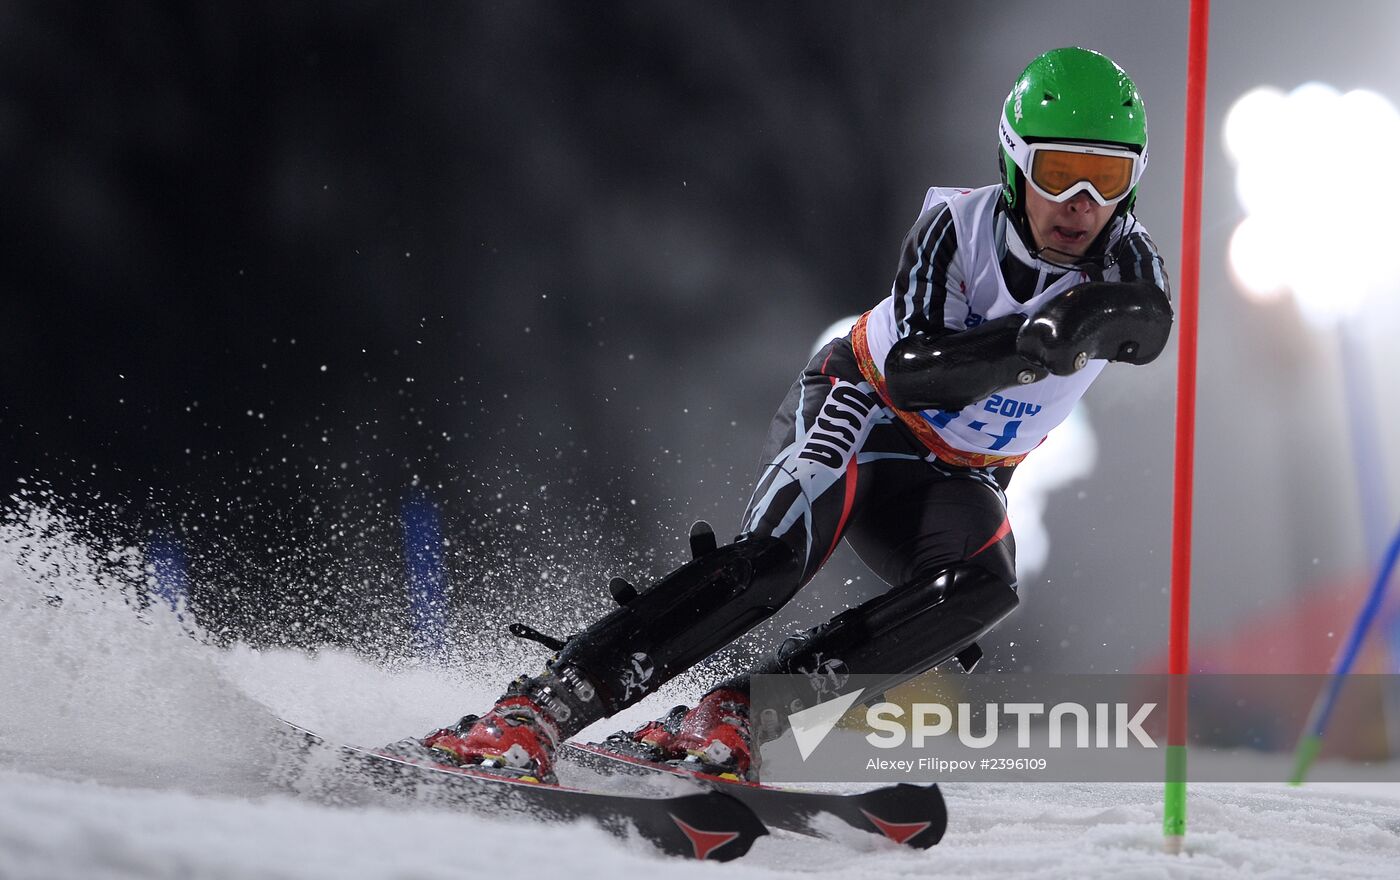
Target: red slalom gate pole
x,y
1174,801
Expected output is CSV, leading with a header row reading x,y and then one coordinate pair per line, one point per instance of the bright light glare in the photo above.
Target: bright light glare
x,y
1068,454
1323,207
835,331
1253,261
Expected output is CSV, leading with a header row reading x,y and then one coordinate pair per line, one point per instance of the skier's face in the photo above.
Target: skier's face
x,y
1064,230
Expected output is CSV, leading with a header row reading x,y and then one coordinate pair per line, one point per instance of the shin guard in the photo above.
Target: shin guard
x,y
893,637
661,631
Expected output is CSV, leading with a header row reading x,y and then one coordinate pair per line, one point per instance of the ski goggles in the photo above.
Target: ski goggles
x,y
1060,171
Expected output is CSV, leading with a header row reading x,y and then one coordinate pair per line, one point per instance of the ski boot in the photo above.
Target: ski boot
x,y
711,738
715,734
516,739
653,741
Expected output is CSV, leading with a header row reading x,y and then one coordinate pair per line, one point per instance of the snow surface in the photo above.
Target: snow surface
x,y
131,748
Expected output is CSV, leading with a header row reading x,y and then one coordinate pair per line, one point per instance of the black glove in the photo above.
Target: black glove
x,y
1116,321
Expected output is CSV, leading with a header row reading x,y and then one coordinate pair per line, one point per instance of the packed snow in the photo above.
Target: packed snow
x,y
130,747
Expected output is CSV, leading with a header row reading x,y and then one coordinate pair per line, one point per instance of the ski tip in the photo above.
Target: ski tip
x,y
910,815
712,826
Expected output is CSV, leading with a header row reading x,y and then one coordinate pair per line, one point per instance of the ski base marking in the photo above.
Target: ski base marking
x,y
707,825
910,815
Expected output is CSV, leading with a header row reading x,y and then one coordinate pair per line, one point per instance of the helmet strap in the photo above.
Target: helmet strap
x,y
1016,210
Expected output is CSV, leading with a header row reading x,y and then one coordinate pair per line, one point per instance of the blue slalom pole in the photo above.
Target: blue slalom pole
x,y
167,560
1311,742
427,596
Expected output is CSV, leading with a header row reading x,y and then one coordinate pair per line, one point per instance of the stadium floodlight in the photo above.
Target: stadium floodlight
x,y
1321,207
1322,217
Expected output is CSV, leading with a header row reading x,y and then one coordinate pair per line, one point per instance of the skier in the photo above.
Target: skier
x,y
900,437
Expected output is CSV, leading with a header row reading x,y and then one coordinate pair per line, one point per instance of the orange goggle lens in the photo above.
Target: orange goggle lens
x,y
1056,171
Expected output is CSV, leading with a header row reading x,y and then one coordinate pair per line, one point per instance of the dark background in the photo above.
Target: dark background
x,y
272,268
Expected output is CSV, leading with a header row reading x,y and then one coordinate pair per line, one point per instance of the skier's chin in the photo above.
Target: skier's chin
x,y
1063,257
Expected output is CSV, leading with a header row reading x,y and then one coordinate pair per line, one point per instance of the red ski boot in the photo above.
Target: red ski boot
x,y
712,737
715,734
516,738
655,740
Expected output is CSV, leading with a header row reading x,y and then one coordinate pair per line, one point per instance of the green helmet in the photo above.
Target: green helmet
x,y
1074,96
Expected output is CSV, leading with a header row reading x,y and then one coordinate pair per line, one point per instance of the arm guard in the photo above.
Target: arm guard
x,y
953,370
1117,321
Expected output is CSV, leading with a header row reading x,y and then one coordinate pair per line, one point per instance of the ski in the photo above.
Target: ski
x,y
708,825
912,815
